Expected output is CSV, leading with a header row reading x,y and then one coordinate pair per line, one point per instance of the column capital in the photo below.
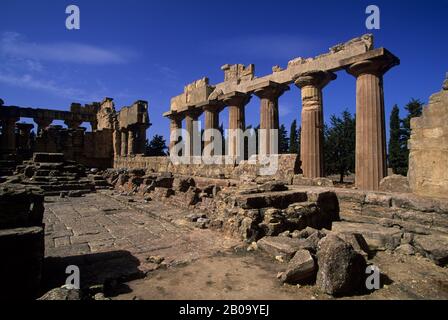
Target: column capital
x,y
269,89
377,66
315,78
236,98
25,126
193,112
213,106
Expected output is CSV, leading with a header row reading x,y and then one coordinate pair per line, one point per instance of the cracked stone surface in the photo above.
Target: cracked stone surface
x,y
107,236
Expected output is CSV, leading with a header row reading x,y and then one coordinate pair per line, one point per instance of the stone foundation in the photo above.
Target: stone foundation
x,y
288,166
21,241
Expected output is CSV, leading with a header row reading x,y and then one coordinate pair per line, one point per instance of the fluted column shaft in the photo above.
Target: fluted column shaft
x,y
191,125
312,136
117,142
269,119
211,115
124,142
175,125
9,135
141,140
370,161
237,124
131,141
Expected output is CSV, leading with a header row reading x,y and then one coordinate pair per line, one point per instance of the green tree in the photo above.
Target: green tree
x,y
397,151
283,140
339,145
293,138
157,146
414,109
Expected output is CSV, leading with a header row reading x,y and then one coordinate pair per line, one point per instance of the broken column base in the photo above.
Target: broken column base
x,y
22,251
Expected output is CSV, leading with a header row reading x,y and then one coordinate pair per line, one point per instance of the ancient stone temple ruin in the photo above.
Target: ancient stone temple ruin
x,y
95,200
113,133
357,57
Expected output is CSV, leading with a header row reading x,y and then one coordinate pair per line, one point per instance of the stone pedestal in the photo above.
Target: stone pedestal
x,y
311,148
370,122
269,119
124,142
236,103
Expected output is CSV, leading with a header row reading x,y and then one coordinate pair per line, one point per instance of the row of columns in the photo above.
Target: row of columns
x,y
130,141
370,122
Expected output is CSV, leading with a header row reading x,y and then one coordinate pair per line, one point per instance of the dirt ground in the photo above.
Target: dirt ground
x,y
252,276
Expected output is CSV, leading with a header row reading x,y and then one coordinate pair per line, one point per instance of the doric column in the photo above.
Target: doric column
x,y
269,119
9,135
370,123
24,135
191,126
311,147
116,138
131,141
141,139
73,124
236,101
175,125
42,123
94,125
124,142
211,115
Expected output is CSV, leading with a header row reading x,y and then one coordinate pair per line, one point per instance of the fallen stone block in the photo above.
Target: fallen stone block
x,y
341,268
301,268
378,238
395,183
435,247
280,246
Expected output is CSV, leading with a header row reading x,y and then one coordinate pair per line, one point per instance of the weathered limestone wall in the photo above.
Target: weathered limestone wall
x,y
428,159
288,165
92,149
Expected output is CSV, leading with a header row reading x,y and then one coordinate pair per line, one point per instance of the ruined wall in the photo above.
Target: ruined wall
x,y
428,159
92,149
288,165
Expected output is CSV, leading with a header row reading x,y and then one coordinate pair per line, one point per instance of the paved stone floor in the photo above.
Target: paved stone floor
x,y
108,235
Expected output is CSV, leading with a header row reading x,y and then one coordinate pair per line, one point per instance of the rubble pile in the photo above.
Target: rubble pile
x,y
55,175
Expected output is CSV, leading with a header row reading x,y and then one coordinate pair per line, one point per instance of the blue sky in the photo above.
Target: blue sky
x,y
143,49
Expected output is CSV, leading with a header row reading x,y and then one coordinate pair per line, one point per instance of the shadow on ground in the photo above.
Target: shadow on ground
x,y
95,269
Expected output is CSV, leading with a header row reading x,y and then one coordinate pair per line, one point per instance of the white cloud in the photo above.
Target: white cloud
x,y
14,44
